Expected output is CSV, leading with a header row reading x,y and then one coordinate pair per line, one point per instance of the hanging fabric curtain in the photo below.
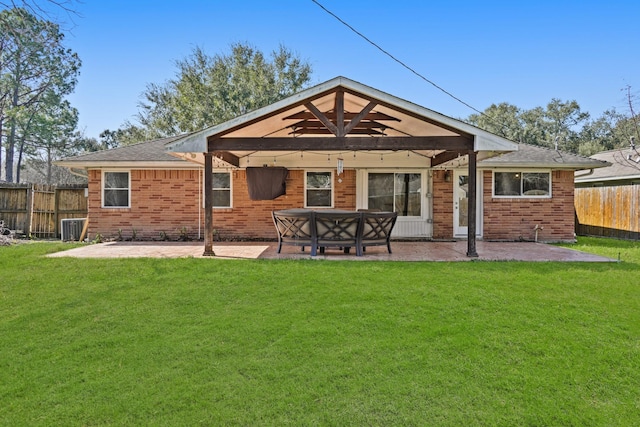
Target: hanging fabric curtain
x,y
266,183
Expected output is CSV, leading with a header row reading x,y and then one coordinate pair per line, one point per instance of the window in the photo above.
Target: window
x,y
395,192
221,189
319,190
522,184
115,190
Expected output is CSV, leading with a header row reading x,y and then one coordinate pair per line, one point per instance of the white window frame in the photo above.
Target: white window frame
x,y
104,172
394,173
333,181
521,196
228,172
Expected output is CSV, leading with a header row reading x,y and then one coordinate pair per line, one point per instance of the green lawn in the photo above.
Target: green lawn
x,y
276,342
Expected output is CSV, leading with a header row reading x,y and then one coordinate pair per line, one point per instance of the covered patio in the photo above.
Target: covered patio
x,y
402,251
334,120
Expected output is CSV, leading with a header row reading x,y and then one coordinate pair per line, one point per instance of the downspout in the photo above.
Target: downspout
x,y
199,204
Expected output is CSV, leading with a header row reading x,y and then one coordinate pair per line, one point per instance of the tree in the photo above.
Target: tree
x,y
502,119
35,68
51,129
558,123
208,90
43,9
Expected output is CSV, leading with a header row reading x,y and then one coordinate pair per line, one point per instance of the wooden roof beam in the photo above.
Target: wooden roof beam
x,y
304,115
357,119
227,157
446,157
320,116
448,143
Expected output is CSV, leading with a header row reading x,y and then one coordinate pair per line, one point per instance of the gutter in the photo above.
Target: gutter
x,y
584,174
80,174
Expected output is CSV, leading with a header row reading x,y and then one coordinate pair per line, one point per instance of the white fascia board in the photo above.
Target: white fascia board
x,y
608,178
554,166
127,165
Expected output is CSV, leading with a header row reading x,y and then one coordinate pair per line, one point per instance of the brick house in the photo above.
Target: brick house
x,y
340,145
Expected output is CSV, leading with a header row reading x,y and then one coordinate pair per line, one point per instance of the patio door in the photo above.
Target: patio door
x,y
461,204
402,192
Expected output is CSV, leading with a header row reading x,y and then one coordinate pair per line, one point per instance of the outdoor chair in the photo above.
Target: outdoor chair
x,y
338,229
295,228
376,229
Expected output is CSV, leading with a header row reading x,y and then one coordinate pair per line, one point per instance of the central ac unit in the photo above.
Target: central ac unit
x,y
70,229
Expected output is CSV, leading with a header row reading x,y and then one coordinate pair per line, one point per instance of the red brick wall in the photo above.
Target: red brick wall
x,y
161,201
442,206
515,218
252,218
167,201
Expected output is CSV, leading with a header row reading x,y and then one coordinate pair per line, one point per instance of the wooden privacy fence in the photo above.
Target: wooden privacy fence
x,y
608,211
36,210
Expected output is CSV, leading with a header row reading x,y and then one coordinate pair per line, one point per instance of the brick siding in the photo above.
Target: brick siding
x,y
516,218
169,202
442,206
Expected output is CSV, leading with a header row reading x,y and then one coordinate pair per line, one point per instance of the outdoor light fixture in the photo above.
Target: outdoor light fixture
x,y
447,176
340,167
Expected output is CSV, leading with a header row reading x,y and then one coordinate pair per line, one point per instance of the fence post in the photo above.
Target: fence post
x,y
29,208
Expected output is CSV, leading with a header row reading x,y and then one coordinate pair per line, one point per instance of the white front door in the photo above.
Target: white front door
x,y
461,204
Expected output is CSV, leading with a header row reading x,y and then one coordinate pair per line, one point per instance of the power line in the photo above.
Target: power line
x,y
398,61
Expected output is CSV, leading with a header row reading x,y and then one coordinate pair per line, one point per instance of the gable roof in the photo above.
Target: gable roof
x,y
395,118
532,156
621,167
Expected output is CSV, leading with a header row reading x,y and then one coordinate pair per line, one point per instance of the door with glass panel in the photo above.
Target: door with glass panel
x,y
401,192
461,204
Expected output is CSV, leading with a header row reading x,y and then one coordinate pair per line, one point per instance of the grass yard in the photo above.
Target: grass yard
x,y
255,342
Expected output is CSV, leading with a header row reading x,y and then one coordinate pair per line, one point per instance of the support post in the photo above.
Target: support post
x,y
472,208
208,204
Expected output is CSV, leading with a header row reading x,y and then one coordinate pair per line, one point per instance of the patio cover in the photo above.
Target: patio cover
x,y
337,116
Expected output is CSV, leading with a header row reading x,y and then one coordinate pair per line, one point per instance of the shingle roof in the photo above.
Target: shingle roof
x,y
621,167
149,151
534,156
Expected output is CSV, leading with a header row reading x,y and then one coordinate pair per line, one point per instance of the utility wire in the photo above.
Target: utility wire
x,y
398,61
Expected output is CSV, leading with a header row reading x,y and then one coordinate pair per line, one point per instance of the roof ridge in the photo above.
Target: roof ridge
x,y
557,151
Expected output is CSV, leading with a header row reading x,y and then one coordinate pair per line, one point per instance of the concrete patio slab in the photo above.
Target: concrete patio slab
x,y
402,251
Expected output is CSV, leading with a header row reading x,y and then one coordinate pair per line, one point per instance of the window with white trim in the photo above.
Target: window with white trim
x,y
395,192
221,189
116,189
319,189
522,184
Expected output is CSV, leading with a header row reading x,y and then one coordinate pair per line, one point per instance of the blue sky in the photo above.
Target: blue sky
x,y
523,53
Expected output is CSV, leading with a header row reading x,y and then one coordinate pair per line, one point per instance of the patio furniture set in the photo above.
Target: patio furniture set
x,y
320,229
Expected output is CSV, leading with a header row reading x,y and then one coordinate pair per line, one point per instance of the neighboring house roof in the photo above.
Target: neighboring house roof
x,y
149,154
532,156
623,166
279,120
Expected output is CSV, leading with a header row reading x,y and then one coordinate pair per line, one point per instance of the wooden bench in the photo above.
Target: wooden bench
x,y
333,228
